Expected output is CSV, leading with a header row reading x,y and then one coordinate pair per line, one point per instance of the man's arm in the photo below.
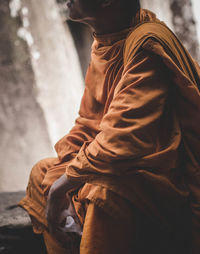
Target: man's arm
x,y
67,149
70,144
131,129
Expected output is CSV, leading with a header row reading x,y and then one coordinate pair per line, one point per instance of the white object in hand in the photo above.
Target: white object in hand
x,y
69,222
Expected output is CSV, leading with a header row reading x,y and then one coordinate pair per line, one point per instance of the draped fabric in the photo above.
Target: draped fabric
x,y
137,138
148,141
161,41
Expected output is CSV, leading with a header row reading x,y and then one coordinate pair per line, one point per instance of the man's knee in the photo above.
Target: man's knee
x,y
39,171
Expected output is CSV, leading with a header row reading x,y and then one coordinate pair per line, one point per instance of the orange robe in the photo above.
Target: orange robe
x,y
137,138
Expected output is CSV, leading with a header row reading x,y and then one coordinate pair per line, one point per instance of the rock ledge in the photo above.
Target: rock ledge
x,y
16,235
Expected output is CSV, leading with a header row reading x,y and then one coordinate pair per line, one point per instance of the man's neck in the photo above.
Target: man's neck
x,y
111,27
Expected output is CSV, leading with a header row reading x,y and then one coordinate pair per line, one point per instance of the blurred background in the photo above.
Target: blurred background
x,y
43,60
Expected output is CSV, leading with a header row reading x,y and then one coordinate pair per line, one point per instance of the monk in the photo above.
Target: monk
x,y
127,176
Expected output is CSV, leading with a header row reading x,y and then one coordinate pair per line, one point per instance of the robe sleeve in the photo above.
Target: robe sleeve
x,y
85,129
129,129
70,144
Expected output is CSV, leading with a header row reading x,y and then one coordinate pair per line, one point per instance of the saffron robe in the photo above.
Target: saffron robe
x,y
137,137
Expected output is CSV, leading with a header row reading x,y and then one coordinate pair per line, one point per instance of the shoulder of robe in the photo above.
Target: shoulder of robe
x,y
158,39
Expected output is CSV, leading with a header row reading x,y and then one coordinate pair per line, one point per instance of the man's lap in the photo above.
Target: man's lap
x,y
102,233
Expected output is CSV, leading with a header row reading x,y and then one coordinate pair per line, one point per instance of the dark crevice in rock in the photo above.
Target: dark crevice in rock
x,y
20,240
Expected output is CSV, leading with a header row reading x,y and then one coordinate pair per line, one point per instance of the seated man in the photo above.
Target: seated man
x,y
127,176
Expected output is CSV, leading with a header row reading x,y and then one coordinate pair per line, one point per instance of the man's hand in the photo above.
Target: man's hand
x,y
60,213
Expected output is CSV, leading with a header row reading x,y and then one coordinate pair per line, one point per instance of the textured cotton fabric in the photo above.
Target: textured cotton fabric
x,y
137,139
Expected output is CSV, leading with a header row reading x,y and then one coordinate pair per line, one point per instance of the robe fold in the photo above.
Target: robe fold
x,y
137,138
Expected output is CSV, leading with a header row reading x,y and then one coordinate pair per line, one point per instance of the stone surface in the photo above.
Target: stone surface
x,y
16,235
12,216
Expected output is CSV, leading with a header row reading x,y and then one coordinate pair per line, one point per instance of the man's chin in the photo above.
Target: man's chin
x,y
73,17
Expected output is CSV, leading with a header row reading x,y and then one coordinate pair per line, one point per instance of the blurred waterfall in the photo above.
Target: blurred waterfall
x,y
180,16
40,87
